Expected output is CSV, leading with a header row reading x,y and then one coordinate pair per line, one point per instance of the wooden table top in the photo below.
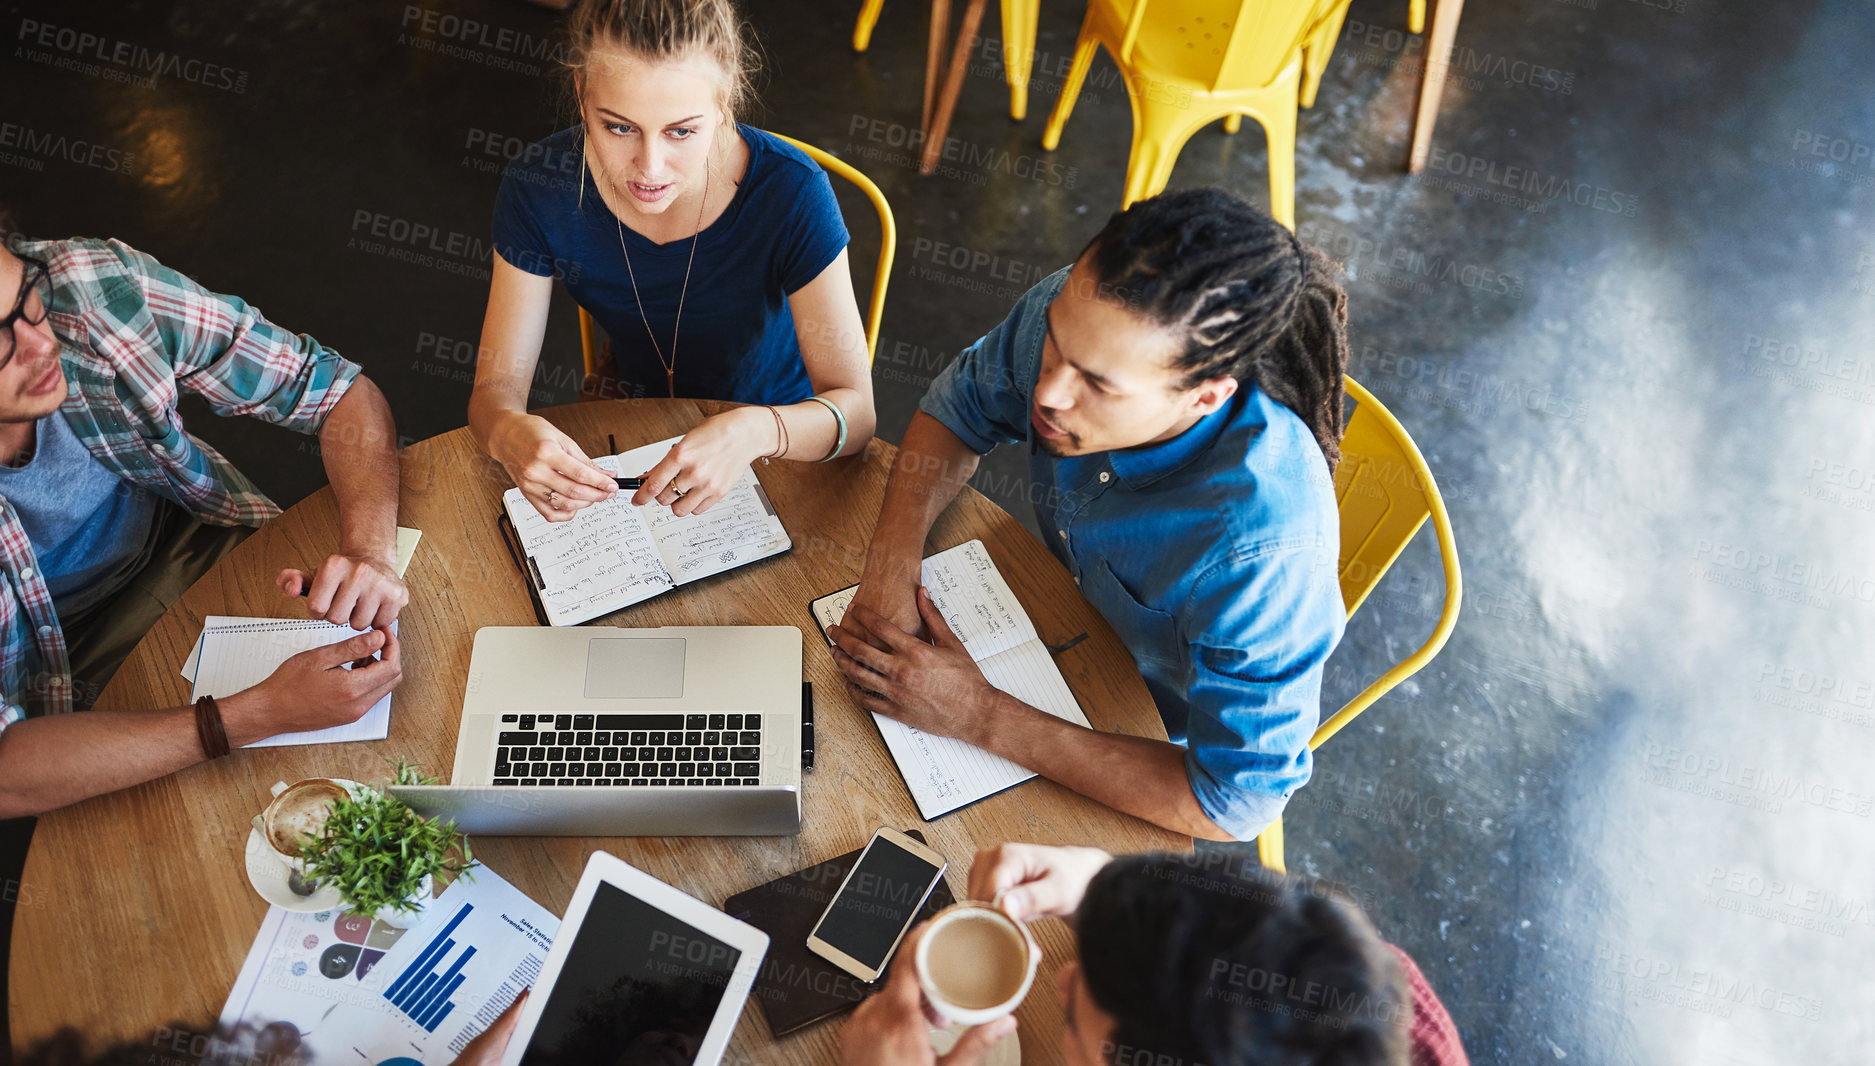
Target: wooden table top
x,y
136,913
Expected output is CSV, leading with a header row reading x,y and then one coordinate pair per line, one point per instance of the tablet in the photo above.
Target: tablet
x,y
639,973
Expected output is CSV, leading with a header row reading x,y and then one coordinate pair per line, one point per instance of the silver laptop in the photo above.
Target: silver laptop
x,y
597,731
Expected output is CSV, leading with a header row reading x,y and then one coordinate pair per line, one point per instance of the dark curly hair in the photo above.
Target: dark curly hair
x,y
1226,966
1253,301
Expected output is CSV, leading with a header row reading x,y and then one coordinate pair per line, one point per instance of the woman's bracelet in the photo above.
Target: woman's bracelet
x,y
781,436
840,444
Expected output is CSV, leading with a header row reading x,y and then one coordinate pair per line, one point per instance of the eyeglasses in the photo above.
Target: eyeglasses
x,y
36,271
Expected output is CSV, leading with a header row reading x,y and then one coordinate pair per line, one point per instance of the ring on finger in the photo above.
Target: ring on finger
x,y
553,498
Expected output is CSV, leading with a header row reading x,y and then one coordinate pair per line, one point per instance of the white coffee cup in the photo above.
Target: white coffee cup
x,y
296,809
975,964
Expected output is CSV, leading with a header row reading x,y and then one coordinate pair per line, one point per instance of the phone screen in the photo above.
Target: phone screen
x,y
878,901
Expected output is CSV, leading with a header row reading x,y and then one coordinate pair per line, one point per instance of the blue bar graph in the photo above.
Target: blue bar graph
x,y
421,992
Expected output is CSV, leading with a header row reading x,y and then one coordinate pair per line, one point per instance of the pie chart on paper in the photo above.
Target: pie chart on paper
x,y
400,1062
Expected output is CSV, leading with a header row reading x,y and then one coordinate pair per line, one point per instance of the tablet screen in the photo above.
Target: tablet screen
x,y
638,986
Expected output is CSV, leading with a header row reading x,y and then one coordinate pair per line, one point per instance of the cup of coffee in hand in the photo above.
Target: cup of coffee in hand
x,y
296,810
975,963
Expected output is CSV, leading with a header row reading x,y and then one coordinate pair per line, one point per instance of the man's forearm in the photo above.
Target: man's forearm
x,y
1142,777
359,442
933,465
52,762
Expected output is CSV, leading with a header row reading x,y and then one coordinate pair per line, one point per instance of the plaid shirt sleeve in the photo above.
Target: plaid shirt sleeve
x,y
136,334
226,352
1432,1036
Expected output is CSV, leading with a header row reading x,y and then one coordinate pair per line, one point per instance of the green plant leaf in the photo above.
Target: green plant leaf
x,y
376,851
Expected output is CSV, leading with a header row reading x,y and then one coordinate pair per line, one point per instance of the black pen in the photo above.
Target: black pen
x,y
623,482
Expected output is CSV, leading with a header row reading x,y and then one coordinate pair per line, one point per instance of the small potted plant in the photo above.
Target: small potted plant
x,y
381,856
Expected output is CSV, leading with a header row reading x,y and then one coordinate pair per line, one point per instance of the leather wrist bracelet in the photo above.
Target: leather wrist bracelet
x,y
210,729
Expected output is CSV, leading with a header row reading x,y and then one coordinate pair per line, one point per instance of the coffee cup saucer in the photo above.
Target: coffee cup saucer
x,y
1005,1052
267,874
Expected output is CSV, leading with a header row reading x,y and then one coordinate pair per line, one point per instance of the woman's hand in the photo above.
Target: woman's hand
x,y
550,470
701,468
488,1048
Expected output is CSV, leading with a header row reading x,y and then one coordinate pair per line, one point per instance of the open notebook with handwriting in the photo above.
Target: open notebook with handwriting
x,y
945,774
611,555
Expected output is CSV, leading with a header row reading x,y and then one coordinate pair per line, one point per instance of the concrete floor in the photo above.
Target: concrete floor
x,y
1624,818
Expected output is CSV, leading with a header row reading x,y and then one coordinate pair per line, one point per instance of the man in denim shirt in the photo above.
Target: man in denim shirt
x,y
1180,389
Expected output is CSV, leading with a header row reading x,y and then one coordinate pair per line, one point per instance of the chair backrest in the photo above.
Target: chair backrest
x,y
1385,493
888,233
888,247
1222,43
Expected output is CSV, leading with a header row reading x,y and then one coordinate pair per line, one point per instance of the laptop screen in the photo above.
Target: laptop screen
x,y
638,986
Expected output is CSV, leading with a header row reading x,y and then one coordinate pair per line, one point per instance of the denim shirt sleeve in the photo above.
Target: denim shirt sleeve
x,y
1263,624
983,396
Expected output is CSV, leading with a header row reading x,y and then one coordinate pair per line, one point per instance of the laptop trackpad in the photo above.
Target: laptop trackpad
x,y
635,668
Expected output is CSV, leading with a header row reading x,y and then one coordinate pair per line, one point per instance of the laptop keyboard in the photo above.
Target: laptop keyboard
x,y
626,750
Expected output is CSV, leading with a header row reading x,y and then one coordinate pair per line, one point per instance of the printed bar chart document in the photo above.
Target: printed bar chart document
x,y
480,945
611,555
359,990
945,774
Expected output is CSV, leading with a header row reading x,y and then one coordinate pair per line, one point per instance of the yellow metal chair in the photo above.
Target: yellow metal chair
x,y
1385,493
1188,63
888,247
1320,46
1019,20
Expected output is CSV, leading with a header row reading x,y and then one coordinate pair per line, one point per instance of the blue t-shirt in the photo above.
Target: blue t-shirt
x,y
89,528
736,339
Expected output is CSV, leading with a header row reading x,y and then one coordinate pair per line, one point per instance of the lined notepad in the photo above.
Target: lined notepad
x,y
945,774
239,653
611,555
407,540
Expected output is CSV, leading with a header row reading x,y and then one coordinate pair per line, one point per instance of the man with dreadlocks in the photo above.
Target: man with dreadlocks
x,y
1180,389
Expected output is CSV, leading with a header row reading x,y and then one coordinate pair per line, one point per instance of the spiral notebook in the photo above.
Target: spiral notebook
x,y
945,774
611,555
238,653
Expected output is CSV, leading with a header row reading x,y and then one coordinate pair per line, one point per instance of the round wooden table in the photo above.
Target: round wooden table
x,y
135,912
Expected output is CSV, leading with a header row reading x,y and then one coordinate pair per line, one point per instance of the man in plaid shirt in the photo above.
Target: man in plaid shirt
x,y
109,510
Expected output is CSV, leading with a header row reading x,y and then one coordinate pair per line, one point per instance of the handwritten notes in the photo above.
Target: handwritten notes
x,y
945,774
611,555
601,560
741,528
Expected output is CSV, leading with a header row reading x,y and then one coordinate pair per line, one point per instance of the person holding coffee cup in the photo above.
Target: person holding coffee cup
x,y
1193,958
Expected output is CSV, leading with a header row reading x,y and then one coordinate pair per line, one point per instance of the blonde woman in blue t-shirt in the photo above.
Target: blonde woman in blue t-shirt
x,y
712,253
